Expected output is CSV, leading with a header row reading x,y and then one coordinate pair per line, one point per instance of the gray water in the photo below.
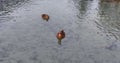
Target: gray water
x,y
4,4
91,26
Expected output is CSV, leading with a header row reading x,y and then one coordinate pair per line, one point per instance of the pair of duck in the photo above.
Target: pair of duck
x,y
60,35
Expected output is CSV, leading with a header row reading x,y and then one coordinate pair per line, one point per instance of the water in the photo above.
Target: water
x,y
4,4
91,26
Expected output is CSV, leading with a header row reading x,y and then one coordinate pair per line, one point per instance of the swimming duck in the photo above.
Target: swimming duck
x,y
45,17
60,35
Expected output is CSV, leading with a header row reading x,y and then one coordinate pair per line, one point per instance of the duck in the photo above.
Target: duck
x,y
45,17
60,35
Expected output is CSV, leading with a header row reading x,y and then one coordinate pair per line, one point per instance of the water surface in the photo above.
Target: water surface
x,y
91,26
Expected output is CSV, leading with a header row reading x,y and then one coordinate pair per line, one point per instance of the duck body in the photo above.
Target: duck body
x,y
45,17
60,35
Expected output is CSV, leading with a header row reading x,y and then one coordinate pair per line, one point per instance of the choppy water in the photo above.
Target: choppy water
x,y
92,32
4,4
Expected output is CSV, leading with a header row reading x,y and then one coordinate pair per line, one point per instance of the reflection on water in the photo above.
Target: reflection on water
x,y
105,14
5,8
83,6
110,1
6,3
109,18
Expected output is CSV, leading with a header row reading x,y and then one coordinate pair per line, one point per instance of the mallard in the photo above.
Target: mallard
x,y
60,35
45,17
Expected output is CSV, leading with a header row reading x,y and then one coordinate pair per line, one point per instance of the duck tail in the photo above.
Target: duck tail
x,y
59,42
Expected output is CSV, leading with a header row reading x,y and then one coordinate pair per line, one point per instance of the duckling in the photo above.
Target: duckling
x,y
45,17
60,35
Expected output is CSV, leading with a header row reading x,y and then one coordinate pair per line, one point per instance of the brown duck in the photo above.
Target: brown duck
x,y
45,17
60,35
